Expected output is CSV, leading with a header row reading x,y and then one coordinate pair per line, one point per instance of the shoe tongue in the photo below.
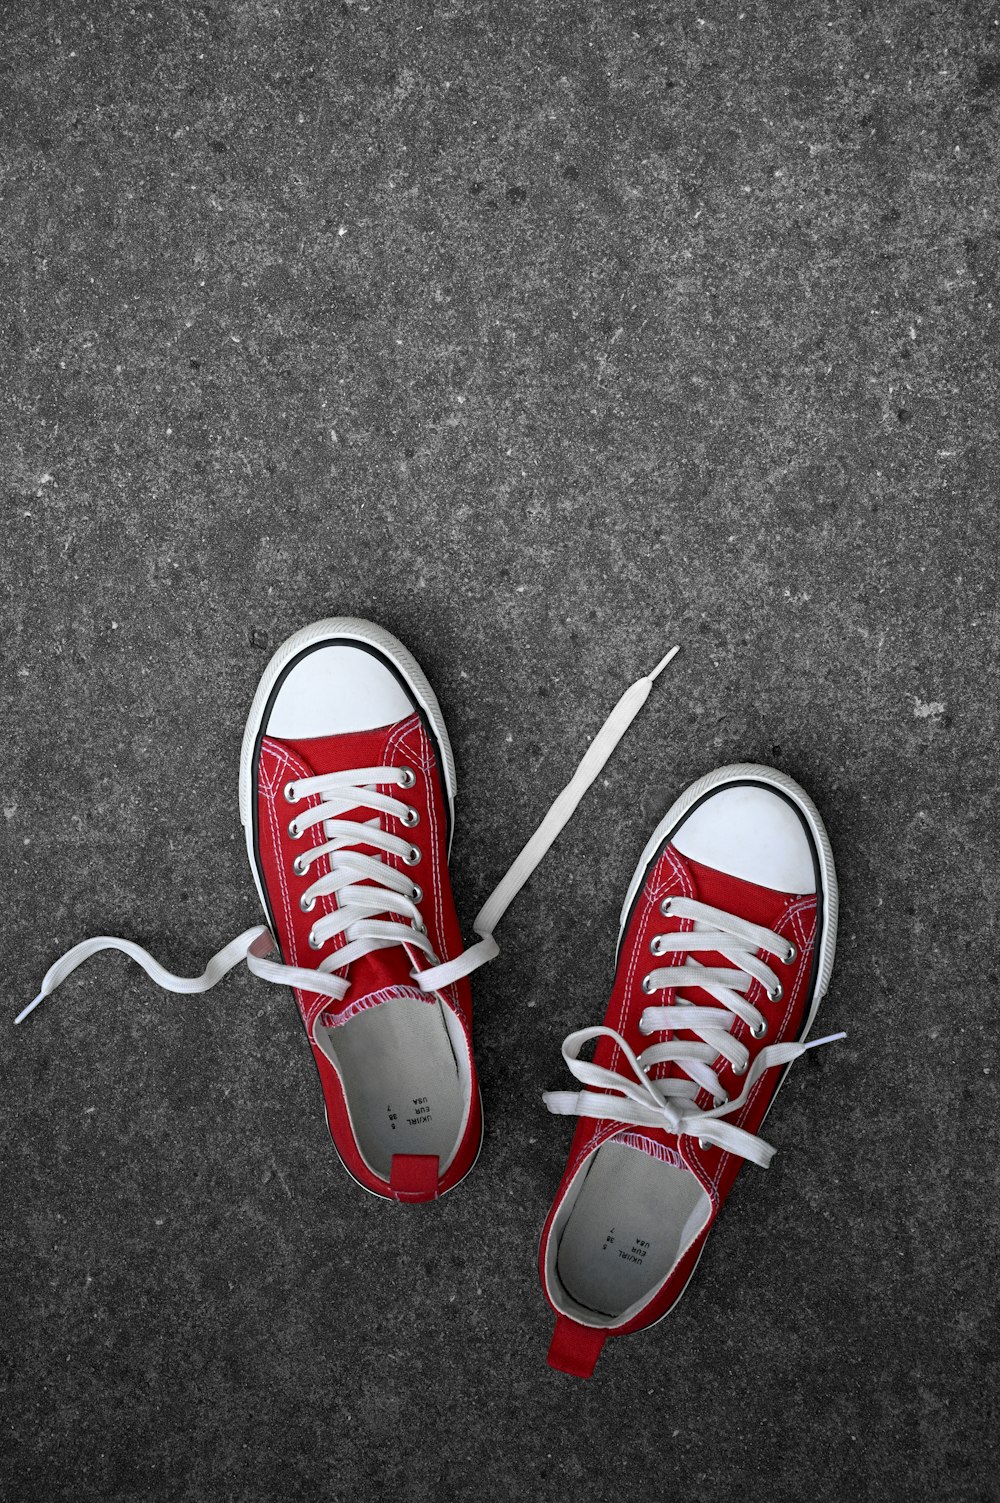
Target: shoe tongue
x,y
371,989
337,1013
382,975
349,749
661,1146
747,900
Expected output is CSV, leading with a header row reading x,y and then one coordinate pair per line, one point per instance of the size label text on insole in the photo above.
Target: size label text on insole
x,y
417,1114
634,1254
638,1251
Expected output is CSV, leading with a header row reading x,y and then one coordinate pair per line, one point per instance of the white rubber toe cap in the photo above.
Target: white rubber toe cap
x,y
336,689
752,833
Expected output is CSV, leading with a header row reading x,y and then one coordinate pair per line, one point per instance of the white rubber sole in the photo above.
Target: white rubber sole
x,y
367,634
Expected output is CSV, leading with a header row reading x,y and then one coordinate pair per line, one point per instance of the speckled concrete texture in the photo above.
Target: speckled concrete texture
x,y
546,335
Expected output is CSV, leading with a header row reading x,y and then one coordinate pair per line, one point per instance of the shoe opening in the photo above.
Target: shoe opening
x,y
623,1226
406,1080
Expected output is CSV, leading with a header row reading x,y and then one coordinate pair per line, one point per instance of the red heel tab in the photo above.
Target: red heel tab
x,y
414,1176
575,1348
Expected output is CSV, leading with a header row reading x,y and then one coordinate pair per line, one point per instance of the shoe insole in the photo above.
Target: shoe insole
x,y
401,1080
632,1220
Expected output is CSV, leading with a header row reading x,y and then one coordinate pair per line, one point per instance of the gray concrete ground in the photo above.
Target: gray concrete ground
x,y
546,335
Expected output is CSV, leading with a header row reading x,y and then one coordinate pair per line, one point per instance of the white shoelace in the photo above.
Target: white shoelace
x,y
365,887
668,1104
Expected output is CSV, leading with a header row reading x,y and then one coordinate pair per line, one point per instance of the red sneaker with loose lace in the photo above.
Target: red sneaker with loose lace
x,y
725,951
347,789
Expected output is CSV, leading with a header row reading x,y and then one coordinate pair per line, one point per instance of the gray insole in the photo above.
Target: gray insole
x,y
632,1219
400,1078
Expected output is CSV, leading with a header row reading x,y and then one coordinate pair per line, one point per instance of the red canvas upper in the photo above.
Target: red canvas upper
x,y
383,974
793,916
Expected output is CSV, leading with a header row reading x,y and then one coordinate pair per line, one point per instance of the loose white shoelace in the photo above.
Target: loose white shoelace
x,y
365,887
668,1104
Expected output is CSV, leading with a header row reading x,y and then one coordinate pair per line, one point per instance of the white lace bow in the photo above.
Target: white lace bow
x,y
635,1096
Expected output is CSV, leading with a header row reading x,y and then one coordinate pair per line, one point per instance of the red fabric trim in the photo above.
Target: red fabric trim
x,y
574,1348
414,1176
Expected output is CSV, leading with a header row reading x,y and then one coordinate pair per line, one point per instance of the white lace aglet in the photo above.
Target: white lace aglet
x,y
831,1038
30,1008
652,677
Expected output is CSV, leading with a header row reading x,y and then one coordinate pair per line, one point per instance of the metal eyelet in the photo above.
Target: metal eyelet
x,y
407,777
420,926
718,1101
412,856
703,1145
644,1027
416,893
657,945
665,907
740,1069
411,818
761,1032
294,830
791,954
777,994
647,985
290,793
314,943
307,904
299,866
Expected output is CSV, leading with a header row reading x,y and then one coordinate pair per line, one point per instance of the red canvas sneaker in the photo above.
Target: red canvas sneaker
x,y
725,951
347,794
347,788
